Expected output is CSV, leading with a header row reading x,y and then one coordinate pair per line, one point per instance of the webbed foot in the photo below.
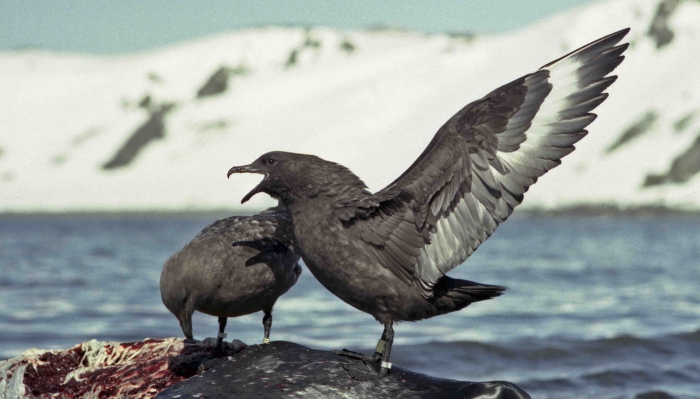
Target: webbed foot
x,y
362,371
357,355
368,368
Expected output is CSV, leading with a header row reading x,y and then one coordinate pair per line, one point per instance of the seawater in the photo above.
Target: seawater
x,y
605,307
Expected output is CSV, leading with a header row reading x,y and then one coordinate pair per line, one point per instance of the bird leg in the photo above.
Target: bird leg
x,y
375,366
267,323
381,347
388,338
378,351
219,351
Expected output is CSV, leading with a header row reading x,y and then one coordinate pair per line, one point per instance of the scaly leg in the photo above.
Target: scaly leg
x,y
388,338
378,351
375,366
220,337
267,323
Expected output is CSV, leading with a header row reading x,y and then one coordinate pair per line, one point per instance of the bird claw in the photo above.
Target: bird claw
x,y
356,355
368,368
219,352
363,371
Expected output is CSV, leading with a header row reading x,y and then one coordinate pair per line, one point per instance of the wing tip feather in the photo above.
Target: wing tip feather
x,y
612,38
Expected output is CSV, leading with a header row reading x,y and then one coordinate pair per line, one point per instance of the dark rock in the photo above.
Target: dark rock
x,y
643,125
284,369
659,29
219,81
292,59
214,125
465,35
654,395
145,101
194,359
154,77
166,368
347,46
311,43
654,180
683,168
216,84
684,122
153,129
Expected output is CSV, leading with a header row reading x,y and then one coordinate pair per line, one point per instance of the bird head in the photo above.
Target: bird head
x,y
290,177
276,167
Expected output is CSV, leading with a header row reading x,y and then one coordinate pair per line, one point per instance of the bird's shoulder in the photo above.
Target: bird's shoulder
x,y
272,223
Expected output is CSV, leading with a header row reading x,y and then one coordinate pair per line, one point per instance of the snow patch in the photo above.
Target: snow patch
x,y
373,109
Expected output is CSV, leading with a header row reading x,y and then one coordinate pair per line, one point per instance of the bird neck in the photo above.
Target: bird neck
x,y
320,199
331,182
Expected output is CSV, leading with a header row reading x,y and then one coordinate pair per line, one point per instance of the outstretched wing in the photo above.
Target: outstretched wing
x,y
481,162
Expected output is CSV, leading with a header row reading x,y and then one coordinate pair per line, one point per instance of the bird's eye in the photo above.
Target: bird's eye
x,y
269,161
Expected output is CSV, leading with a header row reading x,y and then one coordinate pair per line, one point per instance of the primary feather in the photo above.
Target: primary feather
x,y
480,163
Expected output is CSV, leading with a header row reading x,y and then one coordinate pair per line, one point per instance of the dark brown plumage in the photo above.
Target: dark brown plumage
x,y
387,253
235,266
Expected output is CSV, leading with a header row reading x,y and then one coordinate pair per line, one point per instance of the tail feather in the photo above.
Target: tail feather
x,y
450,294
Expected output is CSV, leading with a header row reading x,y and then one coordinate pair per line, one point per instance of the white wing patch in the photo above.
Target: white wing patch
x,y
536,137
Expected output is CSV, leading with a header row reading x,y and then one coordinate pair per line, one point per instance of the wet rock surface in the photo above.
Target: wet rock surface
x,y
177,368
284,369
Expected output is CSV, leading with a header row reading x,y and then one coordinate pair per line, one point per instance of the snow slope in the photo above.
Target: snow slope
x,y
370,100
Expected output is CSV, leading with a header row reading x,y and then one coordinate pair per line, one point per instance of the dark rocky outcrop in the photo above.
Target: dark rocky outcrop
x,y
284,369
213,125
154,77
654,395
681,124
145,101
309,43
659,29
643,125
466,35
218,82
683,168
347,46
177,368
152,129
292,59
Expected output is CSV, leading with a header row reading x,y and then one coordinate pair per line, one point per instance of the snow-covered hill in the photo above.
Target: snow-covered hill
x,y
159,130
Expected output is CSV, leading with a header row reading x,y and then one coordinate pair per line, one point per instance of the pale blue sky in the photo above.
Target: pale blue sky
x,y
112,26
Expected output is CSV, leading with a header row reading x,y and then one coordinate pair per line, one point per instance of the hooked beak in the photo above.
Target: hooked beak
x,y
244,169
247,169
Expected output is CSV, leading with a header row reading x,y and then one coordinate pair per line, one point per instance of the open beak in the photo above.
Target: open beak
x,y
247,169
244,169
